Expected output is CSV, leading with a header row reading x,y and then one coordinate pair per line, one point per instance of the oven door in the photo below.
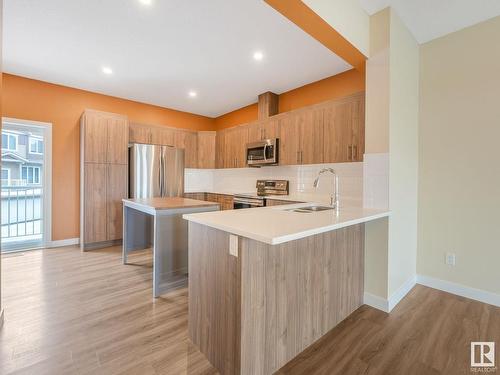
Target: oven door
x,y
239,202
263,152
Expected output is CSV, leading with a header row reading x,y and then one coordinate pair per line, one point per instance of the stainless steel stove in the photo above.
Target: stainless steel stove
x,y
250,200
264,188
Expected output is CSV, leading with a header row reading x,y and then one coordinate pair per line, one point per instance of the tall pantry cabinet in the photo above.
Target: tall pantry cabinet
x,y
103,177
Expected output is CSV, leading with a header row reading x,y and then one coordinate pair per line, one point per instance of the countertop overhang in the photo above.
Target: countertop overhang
x,y
279,224
153,205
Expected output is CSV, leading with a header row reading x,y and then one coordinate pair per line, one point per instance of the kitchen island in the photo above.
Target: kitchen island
x,y
265,283
158,222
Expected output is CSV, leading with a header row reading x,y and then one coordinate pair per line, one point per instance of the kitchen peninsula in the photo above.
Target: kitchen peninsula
x,y
265,283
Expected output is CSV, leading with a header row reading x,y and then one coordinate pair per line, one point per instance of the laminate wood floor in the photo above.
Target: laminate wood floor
x,y
68,312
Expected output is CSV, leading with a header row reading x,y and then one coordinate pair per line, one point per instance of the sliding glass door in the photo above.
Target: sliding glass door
x,y
24,185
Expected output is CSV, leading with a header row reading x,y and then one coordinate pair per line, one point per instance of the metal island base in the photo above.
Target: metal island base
x,y
158,223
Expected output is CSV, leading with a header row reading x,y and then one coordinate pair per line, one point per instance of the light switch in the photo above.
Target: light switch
x,y
233,245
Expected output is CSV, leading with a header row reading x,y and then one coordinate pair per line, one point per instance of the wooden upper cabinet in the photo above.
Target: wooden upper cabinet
x,y
104,137
235,140
117,137
265,129
255,132
289,140
167,137
94,133
344,130
220,149
270,128
310,128
188,141
206,149
358,128
301,137
162,135
139,133
229,159
337,133
116,190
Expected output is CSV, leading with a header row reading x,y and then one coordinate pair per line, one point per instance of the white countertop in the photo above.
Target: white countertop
x,y
275,225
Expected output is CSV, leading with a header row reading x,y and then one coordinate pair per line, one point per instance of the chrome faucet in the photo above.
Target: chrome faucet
x,y
334,197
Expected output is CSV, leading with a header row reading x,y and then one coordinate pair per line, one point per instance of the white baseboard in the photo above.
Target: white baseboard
x,y
61,243
386,305
402,291
376,302
460,290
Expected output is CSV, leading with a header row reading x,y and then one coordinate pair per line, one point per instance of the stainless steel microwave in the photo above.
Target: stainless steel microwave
x,y
263,152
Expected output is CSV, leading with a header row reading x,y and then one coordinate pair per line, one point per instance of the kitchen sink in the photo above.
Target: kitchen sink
x,y
309,209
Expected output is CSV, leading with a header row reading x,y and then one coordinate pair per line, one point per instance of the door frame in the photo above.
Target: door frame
x,y
47,174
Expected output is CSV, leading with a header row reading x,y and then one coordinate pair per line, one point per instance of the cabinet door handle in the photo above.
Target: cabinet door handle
x,y
349,152
298,157
301,157
354,152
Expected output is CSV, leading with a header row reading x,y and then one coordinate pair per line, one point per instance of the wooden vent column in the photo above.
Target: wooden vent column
x,y
268,105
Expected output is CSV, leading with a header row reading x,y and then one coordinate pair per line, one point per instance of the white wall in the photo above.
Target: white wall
x,y
403,155
459,183
346,17
392,96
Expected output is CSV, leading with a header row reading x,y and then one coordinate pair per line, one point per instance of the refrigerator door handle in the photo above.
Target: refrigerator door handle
x,y
160,174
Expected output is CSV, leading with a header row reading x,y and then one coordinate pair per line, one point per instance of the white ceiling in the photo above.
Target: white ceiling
x,y
161,52
431,19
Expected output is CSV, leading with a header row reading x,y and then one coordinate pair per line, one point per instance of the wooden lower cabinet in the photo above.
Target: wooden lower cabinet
x,y
278,202
116,186
225,201
94,203
252,313
104,186
198,196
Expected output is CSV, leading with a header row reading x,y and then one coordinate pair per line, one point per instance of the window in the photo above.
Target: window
x,y
31,175
5,176
9,141
36,146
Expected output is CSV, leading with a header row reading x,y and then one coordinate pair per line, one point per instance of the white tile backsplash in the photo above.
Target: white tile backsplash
x,y
196,180
301,179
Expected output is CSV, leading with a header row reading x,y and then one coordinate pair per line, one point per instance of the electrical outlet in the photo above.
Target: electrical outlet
x,y
450,259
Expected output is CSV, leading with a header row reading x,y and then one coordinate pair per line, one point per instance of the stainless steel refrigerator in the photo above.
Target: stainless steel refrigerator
x,y
155,171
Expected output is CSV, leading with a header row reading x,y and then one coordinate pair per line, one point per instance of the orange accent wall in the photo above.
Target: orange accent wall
x,y
62,106
237,117
333,87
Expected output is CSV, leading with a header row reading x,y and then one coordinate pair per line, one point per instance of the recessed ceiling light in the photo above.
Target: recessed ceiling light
x,y
192,94
107,70
146,2
258,55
